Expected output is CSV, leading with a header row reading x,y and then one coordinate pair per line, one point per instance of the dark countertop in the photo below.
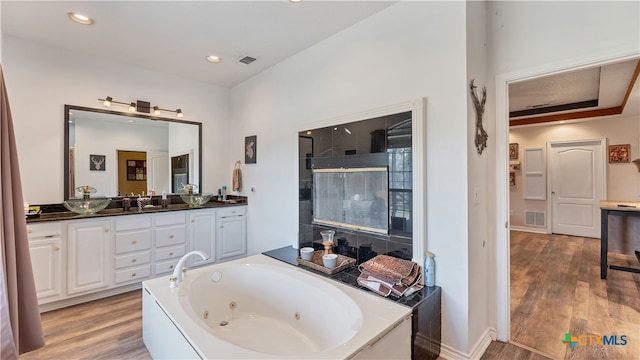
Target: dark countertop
x,y
289,254
56,212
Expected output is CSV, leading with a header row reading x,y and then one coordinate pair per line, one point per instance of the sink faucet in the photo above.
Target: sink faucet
x,y
180,269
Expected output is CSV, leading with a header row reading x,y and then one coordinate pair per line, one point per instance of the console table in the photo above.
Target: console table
x,y
617,208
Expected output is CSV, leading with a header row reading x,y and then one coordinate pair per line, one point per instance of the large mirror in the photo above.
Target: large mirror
x,y
121,153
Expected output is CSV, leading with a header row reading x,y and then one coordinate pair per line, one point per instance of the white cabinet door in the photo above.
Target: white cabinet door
x,y
202,235
88,256
46,261
232,237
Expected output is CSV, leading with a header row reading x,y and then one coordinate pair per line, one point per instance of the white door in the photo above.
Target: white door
x,y
158,171
577,179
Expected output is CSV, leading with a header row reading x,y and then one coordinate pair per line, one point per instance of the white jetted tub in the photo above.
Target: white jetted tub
x,y
261,308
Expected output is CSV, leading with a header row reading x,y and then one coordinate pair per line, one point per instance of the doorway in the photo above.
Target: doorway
x,y
132,172
501,225
179,172
577,184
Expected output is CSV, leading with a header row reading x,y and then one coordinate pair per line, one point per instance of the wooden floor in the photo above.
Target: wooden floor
x,y
556,289
110,328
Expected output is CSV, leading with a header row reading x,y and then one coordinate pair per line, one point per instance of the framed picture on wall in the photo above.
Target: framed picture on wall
x,y
512,179
513,151
97,162
136,170
250,149
619,153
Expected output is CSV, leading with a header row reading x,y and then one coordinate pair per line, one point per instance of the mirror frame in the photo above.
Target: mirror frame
x,y
68,108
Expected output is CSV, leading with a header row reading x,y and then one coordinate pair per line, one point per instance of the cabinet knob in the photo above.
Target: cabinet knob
x,y
193,221
171,236
133,275
30,231
57,248
170,266
106,230
134,241
171,253
133,260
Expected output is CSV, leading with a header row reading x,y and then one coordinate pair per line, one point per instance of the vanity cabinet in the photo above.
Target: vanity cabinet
x,y
231,235
132,249
202,235
80,260
45,247
88,256
170,241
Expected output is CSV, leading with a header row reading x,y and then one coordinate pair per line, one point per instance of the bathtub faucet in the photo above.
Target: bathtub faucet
x,y
181,269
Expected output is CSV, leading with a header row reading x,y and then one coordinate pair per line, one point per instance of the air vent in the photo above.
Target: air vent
x,y
246,60
534,218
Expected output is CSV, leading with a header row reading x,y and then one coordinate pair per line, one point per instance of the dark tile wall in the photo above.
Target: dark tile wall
x,y
346,144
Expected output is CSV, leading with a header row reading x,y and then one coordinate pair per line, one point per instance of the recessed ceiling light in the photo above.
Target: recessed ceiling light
x,y
80,19
214,59
295,1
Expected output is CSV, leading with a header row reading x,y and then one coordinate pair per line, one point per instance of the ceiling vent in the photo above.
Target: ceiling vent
x,y
246,60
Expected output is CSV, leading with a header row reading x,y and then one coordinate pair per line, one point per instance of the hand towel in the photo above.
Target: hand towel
x,y
237,178
391,269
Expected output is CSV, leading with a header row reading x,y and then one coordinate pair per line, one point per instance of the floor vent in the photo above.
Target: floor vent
x,y
534,218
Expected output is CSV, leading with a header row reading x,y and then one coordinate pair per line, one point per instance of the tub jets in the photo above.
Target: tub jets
x,y
224,323
180,270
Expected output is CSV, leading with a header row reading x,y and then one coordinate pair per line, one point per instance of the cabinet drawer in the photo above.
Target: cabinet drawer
x,y
165,266
124,261
170,252
133,274
231,211
133,222
170,219
49,229
171,235
133,241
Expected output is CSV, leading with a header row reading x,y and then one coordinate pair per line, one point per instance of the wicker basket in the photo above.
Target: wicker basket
x,y
342,263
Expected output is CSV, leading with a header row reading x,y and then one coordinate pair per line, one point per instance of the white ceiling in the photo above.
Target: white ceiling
x,y
175,36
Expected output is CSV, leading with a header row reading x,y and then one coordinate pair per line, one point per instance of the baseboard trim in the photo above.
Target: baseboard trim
x,y
447,352
529,229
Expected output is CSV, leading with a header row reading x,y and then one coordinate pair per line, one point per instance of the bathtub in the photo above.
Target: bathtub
x,y
261,308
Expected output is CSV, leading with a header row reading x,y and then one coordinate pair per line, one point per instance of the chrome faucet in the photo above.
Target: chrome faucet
x,y
180,270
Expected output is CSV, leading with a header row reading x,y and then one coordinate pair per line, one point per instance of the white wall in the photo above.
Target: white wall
x,y
407,51
478,254
41,80
623,180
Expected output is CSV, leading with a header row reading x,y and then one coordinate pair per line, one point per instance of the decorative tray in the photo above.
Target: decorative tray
x,y
342,263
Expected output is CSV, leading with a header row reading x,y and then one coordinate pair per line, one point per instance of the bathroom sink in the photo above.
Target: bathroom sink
x,y
86,206
196,200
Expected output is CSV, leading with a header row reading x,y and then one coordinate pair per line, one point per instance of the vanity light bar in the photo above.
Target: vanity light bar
x,y
140,106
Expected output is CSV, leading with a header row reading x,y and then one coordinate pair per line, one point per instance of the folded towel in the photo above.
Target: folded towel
x,y
384,288
392,270
237,179
386,274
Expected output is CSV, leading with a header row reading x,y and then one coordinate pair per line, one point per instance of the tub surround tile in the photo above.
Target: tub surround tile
x,y
426,304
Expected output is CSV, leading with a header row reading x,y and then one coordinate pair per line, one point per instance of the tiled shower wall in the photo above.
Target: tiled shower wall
x,y
346,144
